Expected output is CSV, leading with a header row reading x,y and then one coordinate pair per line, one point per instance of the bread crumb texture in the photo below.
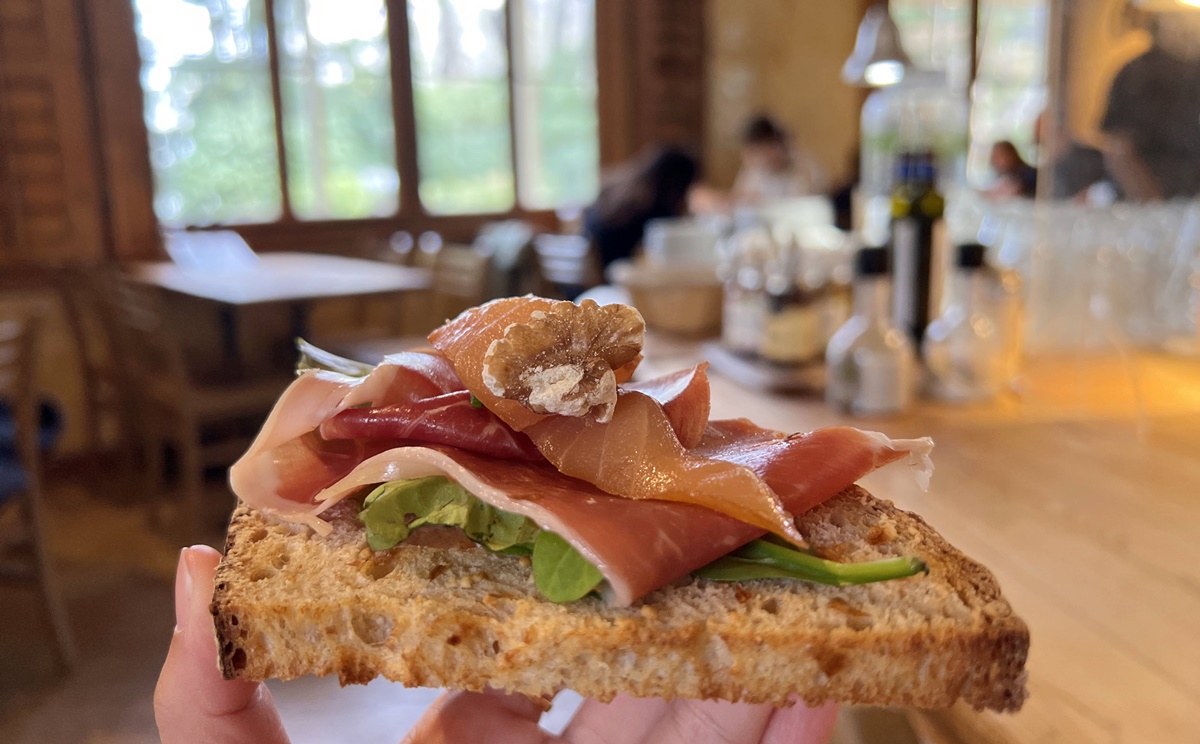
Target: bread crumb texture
x,y
289,603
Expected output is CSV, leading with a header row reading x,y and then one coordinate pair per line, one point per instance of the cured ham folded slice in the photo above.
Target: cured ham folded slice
x,y
444,419
465,340
640,546
685,399
636,454
802,467
317,432
288,463
452,419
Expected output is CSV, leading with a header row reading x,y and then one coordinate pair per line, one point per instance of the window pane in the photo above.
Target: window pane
x,y
554,95
937,36
460,91
337,108
208,110
1010,89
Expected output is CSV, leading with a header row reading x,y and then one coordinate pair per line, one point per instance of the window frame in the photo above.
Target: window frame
x,y
410,212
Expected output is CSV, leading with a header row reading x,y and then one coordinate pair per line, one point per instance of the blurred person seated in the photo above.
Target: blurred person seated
x,y
1014,177
653,186
1151,125
1074,167
773,167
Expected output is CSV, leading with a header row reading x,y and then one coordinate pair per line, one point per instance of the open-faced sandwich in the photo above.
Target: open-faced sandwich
x,y
509,510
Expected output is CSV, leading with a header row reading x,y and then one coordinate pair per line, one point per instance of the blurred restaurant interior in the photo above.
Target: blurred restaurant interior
x,y
188,186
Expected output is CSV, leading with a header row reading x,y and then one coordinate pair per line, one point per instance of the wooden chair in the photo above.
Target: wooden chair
x,y
25,558
399,249
568,264
513,269
106,419
429,246
173,409
460,278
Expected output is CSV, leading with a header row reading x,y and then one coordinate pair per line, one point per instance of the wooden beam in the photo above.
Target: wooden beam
x,y
404,109
615,87
511,17
277,103
973,21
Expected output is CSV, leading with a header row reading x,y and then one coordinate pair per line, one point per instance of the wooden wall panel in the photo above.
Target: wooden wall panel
x,y
121,129
784,58
670,72
53,204
650,59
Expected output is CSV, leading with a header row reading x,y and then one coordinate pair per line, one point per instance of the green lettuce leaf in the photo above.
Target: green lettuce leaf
x,y
559,571
760,559
312,357
393,510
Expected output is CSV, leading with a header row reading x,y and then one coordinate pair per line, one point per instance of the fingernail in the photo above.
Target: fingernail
x,y
183,590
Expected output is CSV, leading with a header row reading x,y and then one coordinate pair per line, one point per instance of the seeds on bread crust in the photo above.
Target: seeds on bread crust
x,y
563,361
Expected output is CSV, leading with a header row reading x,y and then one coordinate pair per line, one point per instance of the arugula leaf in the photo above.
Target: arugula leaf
x,y
760,559
476,402
312,357
393,510
559,571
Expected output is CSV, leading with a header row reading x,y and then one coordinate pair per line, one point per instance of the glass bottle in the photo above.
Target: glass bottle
x,y
743,315
870,362
917,209
963,348
792,327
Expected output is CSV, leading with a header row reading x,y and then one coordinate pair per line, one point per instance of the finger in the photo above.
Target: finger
x,y
489,716
710,722
800,724
626,720
192,703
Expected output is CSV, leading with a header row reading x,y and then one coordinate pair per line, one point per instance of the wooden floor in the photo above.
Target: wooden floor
x,y
1082,495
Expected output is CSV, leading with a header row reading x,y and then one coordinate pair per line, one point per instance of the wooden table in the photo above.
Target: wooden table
x,y
1082,495
292,279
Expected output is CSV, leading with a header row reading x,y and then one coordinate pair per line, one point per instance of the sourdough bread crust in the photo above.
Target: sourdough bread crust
x,y
288,603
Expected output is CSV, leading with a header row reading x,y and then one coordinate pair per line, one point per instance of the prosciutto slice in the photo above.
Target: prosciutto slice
x,y
287,463
444,419
640,546
465,340
637,454
316,434
685,399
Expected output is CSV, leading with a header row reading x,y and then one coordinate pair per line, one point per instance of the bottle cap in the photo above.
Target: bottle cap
x,y
872,262
970,256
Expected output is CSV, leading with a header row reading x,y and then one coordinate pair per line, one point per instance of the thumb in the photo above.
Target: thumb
x,y
192,702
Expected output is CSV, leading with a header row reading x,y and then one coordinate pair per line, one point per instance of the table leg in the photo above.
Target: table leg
x,y
231,337
299,320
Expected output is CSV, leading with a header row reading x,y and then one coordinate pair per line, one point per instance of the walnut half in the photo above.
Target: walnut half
x,y
562,360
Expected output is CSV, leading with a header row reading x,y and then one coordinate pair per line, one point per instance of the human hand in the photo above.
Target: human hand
x,y
194,704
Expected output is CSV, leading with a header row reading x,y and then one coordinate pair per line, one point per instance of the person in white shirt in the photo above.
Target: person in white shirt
x,y
773,167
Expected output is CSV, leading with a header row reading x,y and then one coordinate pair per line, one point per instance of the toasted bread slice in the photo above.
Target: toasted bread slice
x,y
289,603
